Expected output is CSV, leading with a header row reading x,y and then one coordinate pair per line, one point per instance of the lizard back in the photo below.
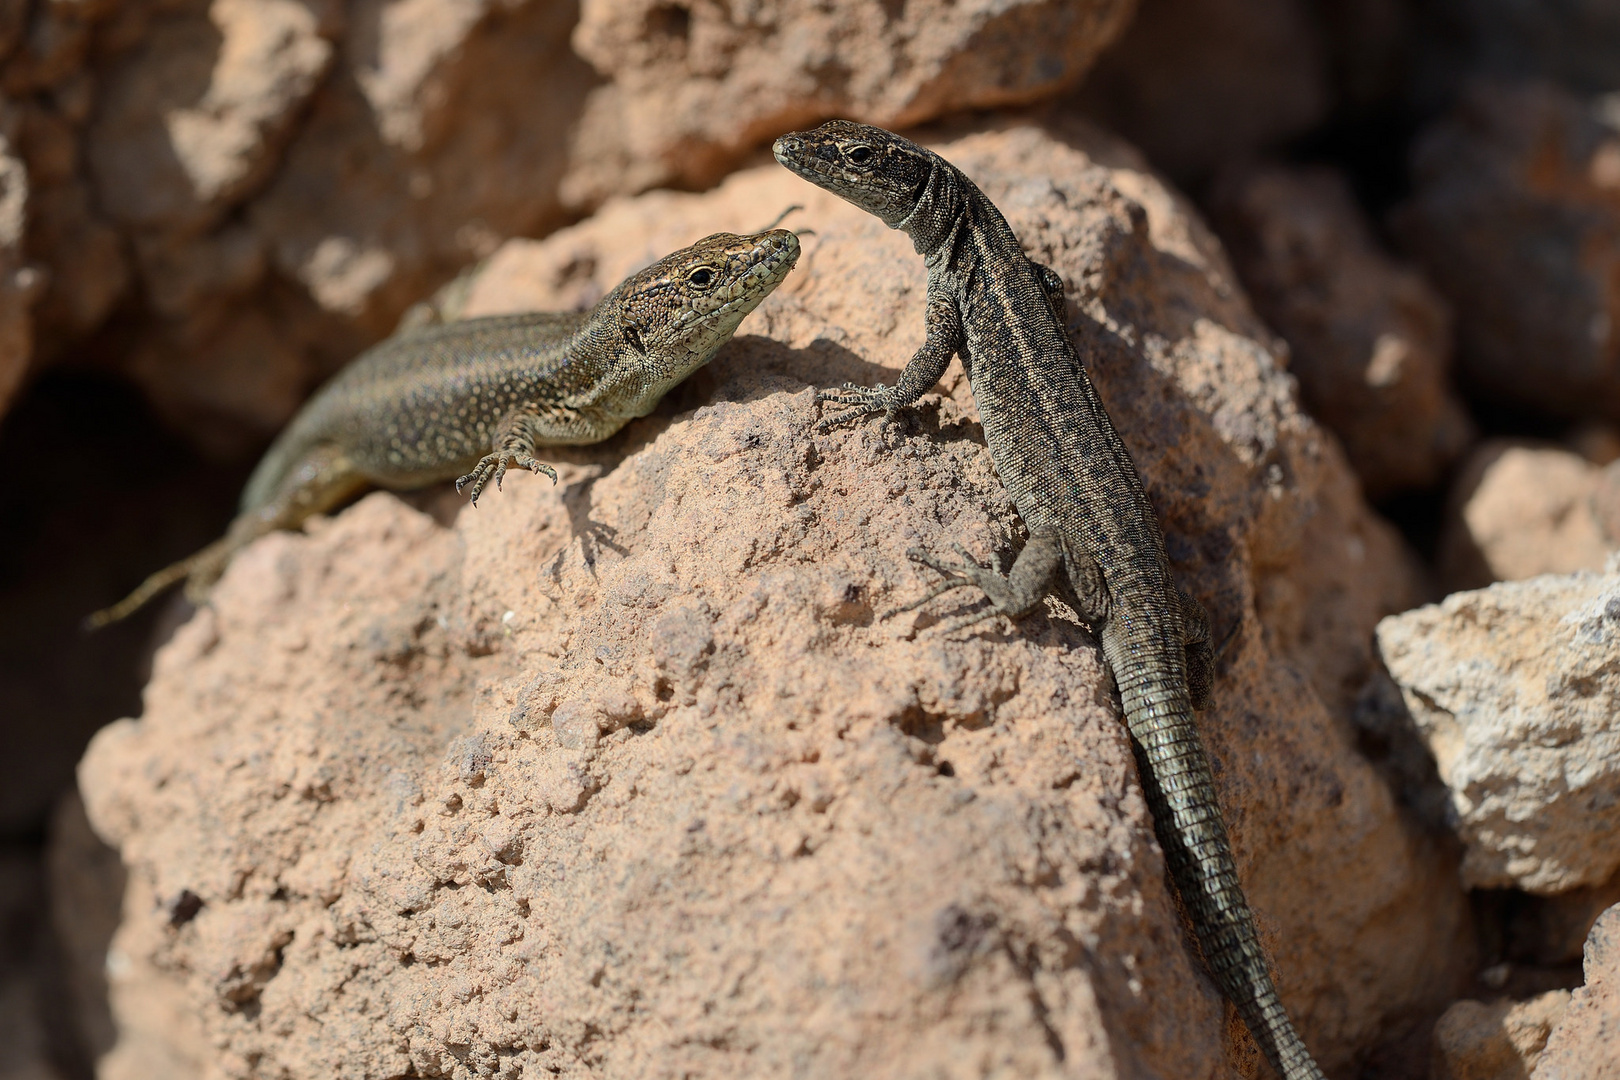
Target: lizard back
x,y
418,407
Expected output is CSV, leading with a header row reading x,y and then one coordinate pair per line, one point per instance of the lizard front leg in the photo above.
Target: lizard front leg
x,y
514,445
943,339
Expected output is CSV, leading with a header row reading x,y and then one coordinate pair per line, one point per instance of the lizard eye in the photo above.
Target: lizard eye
x,y
859,154
701,278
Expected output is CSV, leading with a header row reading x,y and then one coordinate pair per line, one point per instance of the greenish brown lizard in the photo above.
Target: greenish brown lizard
x,y
471,399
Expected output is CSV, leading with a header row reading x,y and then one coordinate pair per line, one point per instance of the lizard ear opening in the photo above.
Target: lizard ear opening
x,y
632,338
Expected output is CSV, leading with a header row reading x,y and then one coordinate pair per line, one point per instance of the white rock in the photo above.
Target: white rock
x,y
1516,690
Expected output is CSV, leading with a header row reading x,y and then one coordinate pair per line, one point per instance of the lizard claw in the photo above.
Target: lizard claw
x,y
953,580
494,466
861,402
952,577
933,562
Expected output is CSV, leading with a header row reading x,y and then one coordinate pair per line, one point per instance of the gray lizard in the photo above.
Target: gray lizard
x,y
471,399
1092,533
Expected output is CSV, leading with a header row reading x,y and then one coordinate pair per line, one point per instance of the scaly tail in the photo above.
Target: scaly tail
x,y
200,570
1188,821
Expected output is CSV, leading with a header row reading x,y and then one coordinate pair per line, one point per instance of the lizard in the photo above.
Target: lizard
x,y
469,399
1093,537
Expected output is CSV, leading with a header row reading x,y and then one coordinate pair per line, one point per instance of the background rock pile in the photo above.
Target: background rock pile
x,y
628,777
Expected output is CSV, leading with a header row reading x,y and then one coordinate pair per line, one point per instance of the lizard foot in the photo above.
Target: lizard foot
x,y
953,578
861,402
494,466
1013,597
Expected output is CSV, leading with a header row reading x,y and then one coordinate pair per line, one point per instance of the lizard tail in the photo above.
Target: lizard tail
x,y
199,571
1188,820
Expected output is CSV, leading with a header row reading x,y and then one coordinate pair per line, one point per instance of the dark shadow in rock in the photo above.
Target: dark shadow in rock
x,y
97,496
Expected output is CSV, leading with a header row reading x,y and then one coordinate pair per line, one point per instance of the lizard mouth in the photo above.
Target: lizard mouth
x,y
788,152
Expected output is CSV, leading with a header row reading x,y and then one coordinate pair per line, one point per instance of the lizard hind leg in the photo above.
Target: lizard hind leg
x,y
1200,654
1014,595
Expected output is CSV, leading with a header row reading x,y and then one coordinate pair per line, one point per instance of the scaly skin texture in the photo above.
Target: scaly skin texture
x,y
471,399
1092,533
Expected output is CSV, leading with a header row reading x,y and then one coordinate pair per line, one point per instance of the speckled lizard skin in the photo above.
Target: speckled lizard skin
x,y
1092,532
470,399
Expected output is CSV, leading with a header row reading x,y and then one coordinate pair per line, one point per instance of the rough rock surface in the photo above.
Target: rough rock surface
x,y
1516,691
1501,1040
628,777
1198,83
1584,1043
1516,217
1520,509
695,85
1370,340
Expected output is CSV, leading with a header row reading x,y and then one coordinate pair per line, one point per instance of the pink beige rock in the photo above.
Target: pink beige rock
x,y
630,776
1520,509
1585,1044
1370,341
695,85
20,283
1500,1040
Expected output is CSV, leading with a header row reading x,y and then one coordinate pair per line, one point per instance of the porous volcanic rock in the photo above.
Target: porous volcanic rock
x,y
631,776
1369,339
1516,692
1520,509
1516,218
1582,1046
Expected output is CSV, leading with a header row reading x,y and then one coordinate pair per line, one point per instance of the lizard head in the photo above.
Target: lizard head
x,y
673,316
877,170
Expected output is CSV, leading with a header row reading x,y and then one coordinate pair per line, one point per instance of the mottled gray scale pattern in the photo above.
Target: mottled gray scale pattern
x,y
471,399
1071,478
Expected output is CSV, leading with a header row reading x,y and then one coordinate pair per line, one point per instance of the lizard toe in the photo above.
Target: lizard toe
x,y
479,478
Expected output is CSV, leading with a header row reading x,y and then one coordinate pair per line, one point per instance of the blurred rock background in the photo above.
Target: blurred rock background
x,y
207,207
